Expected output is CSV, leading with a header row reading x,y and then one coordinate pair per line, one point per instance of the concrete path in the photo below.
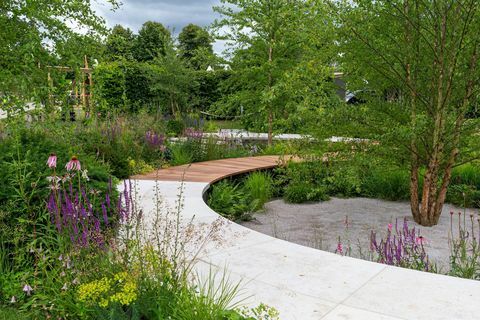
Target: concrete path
x,y
305,283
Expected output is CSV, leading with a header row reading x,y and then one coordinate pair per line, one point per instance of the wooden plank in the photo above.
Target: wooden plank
x,y
212,171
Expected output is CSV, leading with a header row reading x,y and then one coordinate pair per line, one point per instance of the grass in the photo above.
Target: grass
x,y
259,186
10,314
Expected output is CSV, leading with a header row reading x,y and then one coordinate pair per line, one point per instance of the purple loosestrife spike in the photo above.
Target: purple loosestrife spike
x,y
105,215
107,200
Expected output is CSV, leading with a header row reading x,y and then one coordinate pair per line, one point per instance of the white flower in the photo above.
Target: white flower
x,y
13,300
64,288
85,175
27,289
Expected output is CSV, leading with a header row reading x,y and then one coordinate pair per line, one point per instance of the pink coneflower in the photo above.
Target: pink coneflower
x,y
27,289
73,164
420,240
52,161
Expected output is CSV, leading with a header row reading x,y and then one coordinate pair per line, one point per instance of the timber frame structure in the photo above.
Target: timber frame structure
x,y
84,95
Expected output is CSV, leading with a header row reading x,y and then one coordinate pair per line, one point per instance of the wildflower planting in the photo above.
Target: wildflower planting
x,y
403,247
107,259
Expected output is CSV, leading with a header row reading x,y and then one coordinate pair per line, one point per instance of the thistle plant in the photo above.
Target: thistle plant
x,y
402,247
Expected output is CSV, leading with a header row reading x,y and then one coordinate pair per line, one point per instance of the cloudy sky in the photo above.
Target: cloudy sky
x,y
174,14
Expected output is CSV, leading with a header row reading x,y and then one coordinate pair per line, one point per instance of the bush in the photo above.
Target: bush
x,y
387,184
304,192
229,200
259,186
175,127
344,181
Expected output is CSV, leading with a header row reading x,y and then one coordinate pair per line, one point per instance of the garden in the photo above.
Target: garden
x,y
392,176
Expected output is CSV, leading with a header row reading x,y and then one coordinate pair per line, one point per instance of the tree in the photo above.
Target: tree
x,y
420,58
119,44
152,40
195,46
29,30
173,82
270,40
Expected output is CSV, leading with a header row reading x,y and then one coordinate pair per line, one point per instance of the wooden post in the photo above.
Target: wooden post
x,y
50,89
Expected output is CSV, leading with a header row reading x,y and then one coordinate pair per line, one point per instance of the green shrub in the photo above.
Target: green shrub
x,y
175,127
468,174
259,186
303,192
181,154
229,200
344,181
387,184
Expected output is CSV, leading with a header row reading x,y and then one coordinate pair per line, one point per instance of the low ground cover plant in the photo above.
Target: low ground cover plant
x,y
238,199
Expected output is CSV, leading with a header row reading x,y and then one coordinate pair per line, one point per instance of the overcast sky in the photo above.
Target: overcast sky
x,y
174,14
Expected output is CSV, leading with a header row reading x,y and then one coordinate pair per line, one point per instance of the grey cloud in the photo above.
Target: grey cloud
x,y
174,14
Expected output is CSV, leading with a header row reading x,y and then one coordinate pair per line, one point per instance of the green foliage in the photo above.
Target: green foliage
x,y
119,44
152,41
259,186
229,200
270,66
110,88
297,192
175,127
27,28
195,45
389,184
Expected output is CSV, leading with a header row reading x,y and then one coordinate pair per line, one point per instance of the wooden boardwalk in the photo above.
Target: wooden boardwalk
x,y
212,171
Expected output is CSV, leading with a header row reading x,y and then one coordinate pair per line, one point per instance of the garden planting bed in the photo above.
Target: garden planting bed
x,y
320,224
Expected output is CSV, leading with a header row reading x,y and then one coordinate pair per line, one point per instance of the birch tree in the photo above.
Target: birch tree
x,y
422,57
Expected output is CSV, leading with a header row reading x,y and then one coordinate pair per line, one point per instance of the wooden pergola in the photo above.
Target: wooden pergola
x,y
86,84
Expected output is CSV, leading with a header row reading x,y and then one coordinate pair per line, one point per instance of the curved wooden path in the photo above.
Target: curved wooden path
x,y
213,171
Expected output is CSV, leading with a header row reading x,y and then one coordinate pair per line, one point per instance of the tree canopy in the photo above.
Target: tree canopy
x,y
152,40
417,63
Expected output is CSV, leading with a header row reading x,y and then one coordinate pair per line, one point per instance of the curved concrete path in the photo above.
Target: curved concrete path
x,y
305,283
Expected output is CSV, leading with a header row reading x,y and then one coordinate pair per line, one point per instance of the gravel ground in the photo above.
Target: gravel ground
x,y
319,225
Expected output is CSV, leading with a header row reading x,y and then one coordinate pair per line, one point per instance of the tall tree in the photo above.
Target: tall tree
x,y
269,41
152,41
195,46
173,82
119,44
421,56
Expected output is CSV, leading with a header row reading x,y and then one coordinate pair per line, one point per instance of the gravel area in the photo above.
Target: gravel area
x,y
319,225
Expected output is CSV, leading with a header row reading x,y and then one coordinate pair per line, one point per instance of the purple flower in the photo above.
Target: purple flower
x,y
27,289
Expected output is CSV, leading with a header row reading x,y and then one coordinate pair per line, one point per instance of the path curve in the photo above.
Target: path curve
x,y
301,282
